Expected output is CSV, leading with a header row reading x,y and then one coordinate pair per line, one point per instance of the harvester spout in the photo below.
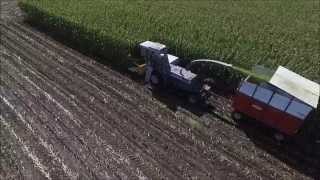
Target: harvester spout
x,y
212,61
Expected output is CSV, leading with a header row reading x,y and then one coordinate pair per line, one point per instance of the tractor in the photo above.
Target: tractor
x,y
162,70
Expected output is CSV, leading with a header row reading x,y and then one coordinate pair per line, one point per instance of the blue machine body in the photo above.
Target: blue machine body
x,y
184,79
165,65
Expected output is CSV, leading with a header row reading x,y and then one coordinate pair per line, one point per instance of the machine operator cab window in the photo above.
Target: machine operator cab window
x,y
154,48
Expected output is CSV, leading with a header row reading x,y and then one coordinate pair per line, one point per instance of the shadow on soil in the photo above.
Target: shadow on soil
x,y
301,153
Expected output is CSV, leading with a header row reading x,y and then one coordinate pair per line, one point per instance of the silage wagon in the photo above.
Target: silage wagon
x,y
284,103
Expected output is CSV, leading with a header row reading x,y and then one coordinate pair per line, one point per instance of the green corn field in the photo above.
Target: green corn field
x,y
244,33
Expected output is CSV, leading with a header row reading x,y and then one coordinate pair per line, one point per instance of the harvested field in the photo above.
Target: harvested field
x,y
10,10
65,116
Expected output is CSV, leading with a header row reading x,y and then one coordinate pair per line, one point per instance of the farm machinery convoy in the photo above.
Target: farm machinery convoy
x,y
284,102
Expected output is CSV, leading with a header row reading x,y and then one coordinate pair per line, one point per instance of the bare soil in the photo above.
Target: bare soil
x,y
9,10
66,116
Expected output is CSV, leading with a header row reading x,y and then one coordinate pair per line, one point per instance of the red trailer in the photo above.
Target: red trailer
x,y
283,103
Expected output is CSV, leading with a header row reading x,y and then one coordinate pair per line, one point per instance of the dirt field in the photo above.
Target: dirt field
x,y
65,116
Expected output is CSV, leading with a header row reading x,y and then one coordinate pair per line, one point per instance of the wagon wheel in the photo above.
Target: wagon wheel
x,y
156,81
237,116
279,136
209,81
193,99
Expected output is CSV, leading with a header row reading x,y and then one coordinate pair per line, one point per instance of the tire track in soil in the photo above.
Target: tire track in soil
x,y
61,130
25,134
283,151
41,172
22,166
83,138
48,139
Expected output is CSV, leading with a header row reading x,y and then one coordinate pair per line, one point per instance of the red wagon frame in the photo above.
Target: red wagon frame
x,y
284,103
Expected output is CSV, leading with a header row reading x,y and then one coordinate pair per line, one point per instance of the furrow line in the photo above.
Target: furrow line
x,y
77,146
101,118
43,169
30,136
85,137
22,163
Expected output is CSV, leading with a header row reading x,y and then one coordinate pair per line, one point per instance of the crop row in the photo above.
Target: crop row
x,y
244,33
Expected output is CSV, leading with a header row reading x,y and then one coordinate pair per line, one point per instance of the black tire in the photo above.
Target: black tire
x,y
279,137
193,99
209,81
156,81
237,115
